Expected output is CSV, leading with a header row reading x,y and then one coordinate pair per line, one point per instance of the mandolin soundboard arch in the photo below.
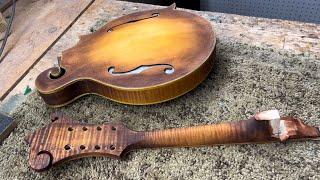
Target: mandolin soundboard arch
x,y
141,58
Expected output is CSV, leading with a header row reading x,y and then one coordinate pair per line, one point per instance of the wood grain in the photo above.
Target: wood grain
x,y
33,34
5,4
156,39
66,139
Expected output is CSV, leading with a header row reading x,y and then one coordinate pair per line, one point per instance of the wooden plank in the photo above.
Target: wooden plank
x,y
4,4
39,28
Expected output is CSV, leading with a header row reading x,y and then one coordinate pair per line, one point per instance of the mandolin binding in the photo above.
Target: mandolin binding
x,y
142,58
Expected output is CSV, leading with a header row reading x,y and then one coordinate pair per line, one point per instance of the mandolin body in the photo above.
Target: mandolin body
x,y
141,58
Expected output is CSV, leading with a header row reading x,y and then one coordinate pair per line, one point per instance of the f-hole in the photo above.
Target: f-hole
x,y
153,15
167,69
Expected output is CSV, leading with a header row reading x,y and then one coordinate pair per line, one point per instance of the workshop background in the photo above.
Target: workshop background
x,y
296,10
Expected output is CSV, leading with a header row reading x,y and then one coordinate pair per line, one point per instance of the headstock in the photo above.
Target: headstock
x,y
65,139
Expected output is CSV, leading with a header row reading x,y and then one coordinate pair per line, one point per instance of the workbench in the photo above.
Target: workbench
x,y
261,64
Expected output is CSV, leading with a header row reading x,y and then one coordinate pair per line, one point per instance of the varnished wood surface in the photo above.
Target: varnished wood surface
x,y
155,39
66,139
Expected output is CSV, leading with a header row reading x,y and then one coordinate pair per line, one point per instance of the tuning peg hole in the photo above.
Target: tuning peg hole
x,y
112,147
67,147
82,147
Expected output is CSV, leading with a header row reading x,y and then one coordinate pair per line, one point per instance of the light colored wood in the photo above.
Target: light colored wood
x,y
34,33
5,4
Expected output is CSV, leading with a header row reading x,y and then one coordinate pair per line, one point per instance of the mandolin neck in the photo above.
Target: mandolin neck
x,y
239,132
206,135
78,139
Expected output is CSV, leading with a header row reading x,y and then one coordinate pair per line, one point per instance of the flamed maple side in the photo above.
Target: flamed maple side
x,y
66,139
141,58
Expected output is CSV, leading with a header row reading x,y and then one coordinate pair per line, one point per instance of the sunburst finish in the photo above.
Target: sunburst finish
x,y
163,40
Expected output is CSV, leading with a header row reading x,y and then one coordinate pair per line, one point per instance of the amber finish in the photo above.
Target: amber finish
x,y
65,139
158,39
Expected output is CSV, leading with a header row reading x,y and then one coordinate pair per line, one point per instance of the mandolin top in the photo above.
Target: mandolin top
x,y
141,58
